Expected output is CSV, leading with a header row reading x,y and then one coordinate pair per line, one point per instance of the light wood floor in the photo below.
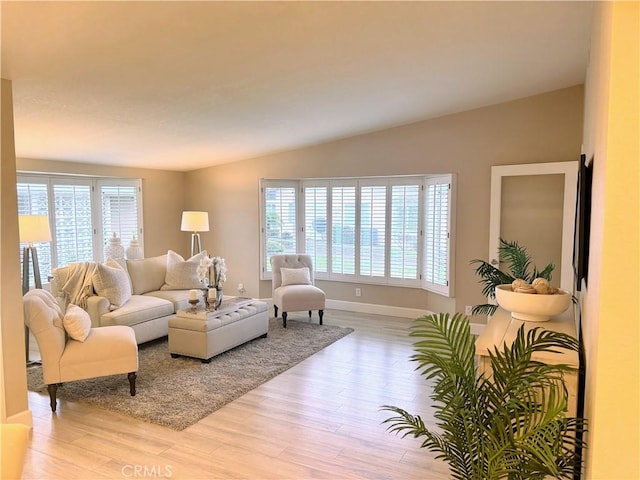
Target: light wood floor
x,y
318,420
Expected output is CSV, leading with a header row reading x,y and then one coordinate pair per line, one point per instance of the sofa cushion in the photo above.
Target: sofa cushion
x,y
179,298
182,274
139,308
77,323
110,280
147,274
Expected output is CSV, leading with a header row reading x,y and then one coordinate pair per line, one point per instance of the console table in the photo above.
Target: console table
x,y
502,328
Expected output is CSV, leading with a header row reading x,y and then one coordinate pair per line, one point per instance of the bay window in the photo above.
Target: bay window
x,y
392,230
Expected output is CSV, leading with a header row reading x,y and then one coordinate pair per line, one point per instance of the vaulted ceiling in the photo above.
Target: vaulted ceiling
x,y
183,85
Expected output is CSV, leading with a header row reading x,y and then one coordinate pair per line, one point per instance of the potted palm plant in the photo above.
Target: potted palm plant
x,y
511,424
520,266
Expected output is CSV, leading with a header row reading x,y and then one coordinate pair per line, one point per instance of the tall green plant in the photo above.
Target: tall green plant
x,y
519,264
511,424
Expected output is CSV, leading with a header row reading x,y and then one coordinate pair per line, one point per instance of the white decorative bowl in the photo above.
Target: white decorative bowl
x,y
532,307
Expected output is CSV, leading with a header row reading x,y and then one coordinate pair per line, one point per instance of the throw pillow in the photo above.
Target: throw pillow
x,y
295,276
77,323
147,274
110,280
182,274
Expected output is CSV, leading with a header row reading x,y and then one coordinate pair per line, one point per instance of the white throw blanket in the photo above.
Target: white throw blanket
x,y
79,286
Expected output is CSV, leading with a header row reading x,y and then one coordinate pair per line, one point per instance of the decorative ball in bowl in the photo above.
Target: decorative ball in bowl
x,y
532,307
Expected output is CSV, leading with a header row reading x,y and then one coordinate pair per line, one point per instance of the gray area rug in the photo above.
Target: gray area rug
x,y
177,392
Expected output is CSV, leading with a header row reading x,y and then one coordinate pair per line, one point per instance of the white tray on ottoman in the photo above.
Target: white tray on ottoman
x,y
204,334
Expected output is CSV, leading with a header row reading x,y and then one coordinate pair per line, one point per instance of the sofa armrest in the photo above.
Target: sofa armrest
x,y
96,307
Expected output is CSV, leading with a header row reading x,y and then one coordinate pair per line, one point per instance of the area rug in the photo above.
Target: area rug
x,y
177,392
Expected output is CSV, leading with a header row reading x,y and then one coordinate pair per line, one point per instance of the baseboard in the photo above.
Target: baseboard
x,y
402,312
25,417
390,310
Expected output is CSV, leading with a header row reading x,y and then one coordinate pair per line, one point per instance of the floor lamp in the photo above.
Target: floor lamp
x,y
33,229
195,222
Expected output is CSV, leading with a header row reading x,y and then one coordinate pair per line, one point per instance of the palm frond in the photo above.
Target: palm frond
x,y
487,309
490,277
511,423
517,257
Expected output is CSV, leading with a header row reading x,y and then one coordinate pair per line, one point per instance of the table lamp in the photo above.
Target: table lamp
x,y
195,222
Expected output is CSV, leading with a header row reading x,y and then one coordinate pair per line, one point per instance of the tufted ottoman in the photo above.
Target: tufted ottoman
x,y
206,334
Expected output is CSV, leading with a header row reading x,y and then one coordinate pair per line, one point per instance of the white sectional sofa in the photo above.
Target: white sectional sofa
x,y
143,294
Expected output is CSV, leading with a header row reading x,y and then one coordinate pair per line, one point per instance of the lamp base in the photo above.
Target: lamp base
x,y
196,247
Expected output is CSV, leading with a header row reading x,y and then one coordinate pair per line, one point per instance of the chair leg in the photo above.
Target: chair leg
x,y
132,383
284,319
275,311
52,389
320,314
309,313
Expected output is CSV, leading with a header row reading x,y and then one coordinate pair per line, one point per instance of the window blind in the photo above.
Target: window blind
x,y
281,223
315,226
343,229
373,219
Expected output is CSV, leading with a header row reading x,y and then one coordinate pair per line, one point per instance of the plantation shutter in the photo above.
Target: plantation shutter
x,y
405,220
373,218
119,209
280,221
343,229
437,235
315,226
73,222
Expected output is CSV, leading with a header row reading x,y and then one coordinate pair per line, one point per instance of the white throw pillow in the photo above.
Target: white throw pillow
x,y
77,323
110,280
147,274
295,276
182,274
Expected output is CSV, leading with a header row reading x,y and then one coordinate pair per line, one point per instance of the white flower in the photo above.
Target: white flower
x,y
212,271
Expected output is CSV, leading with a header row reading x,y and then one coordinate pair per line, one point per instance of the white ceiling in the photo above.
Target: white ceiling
x,y
184,85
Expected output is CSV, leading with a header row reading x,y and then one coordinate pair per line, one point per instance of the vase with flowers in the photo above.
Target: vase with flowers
x,y
212,273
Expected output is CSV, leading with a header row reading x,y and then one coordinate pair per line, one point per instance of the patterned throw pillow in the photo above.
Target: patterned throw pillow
x,y
295,276
182,274
77,323
110,280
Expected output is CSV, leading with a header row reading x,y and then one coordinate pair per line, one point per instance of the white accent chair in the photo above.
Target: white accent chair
x,y
106,351
297,292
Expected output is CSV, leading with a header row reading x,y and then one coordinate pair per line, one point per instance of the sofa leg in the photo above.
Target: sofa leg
x,y
52,389
132,383
320,314
284,319
309,313
275,311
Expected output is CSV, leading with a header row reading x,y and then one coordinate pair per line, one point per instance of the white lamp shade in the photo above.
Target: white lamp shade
x,y
34,228
195,222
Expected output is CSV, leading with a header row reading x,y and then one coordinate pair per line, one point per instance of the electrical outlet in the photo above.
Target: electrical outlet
x,y
358,292
241,288
467,310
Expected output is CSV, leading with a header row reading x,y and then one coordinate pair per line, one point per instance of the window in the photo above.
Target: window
x,y
280,220
437,248
316,239
343,230
394,231
83,213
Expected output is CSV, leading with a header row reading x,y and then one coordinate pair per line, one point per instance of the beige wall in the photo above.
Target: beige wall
x,y
163,203
13,376
610,301
543,128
